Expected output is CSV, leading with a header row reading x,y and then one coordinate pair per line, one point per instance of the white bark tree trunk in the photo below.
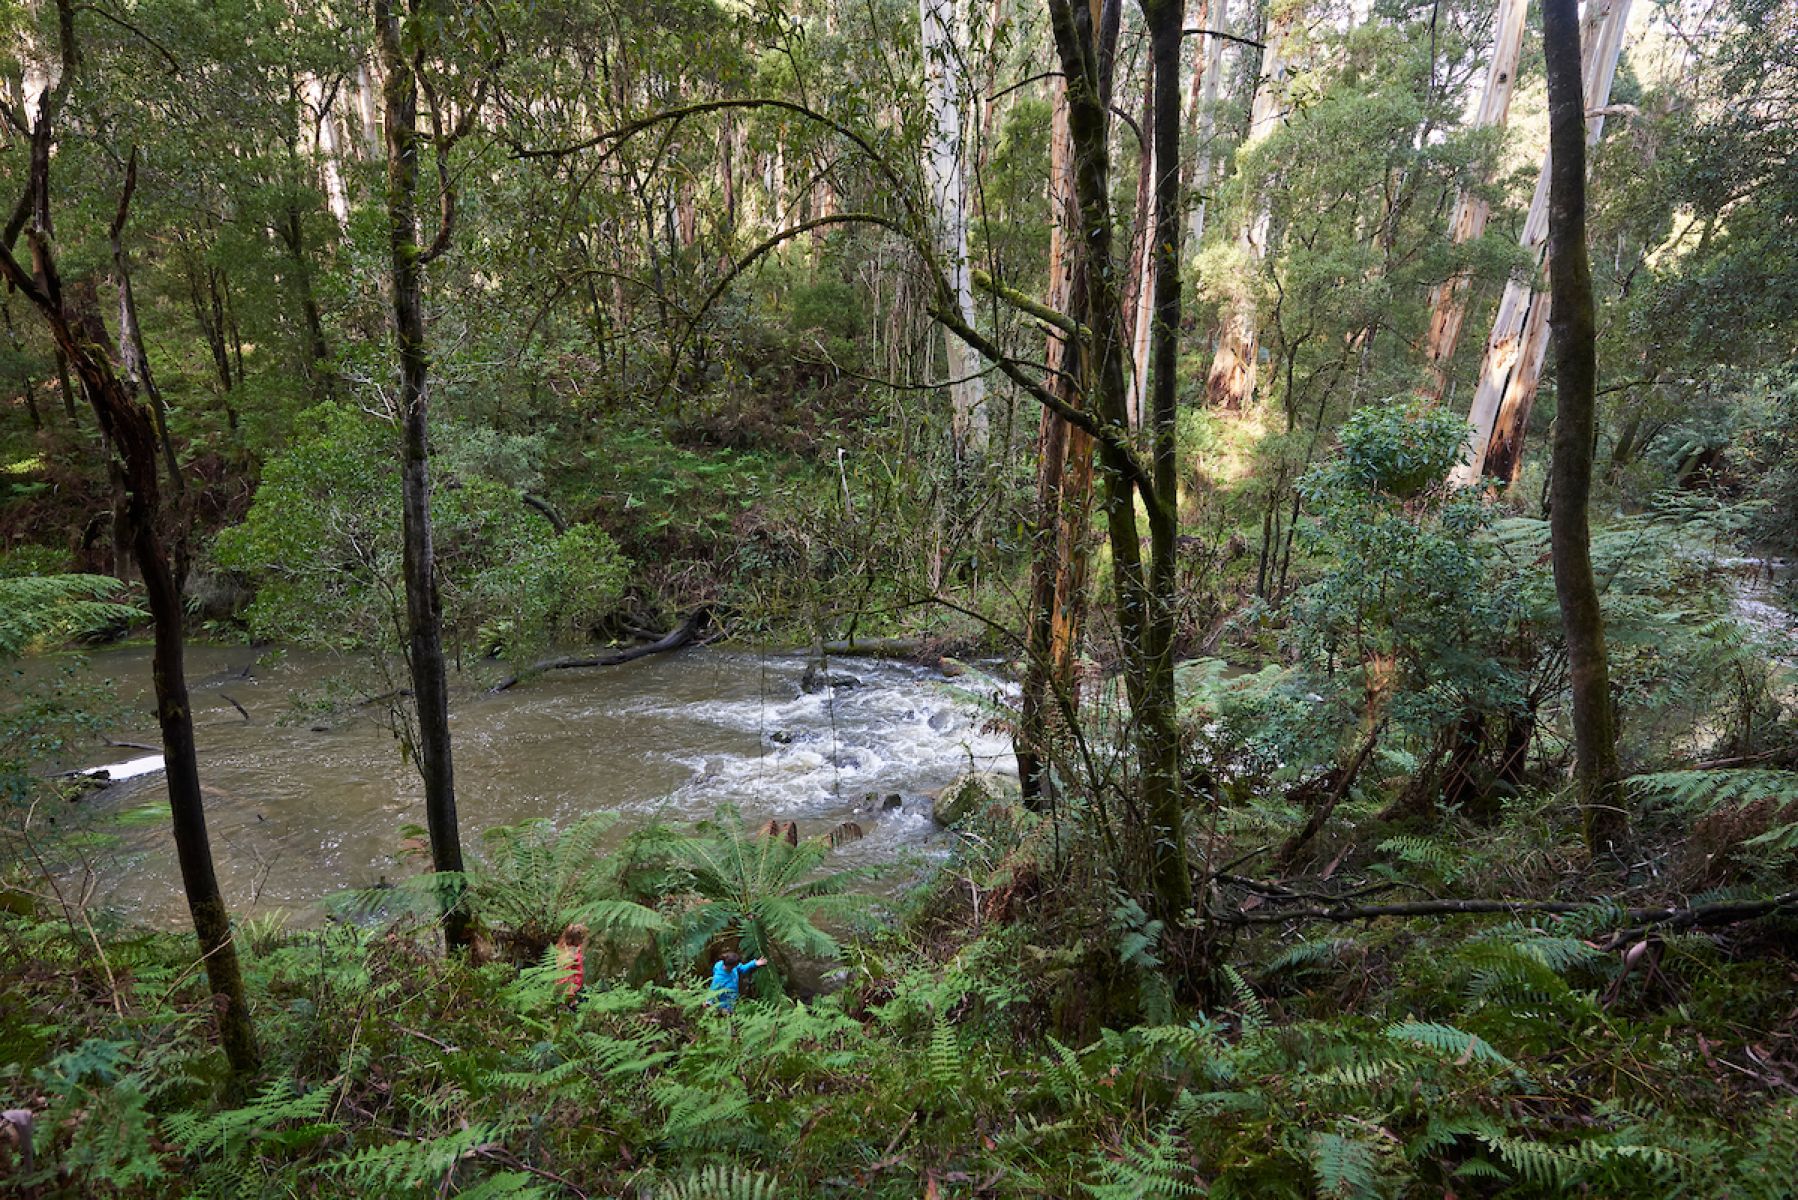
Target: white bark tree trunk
x,y
1513,362
1448,302
1231,382
1207,72
940,24
321,135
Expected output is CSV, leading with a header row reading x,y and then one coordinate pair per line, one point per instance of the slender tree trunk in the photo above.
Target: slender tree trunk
x,y
1448,302
1207,74
424,609
67,388
1596,768
1140,286
1514,353
1144,609
1157,719
318,352
134,359
940,28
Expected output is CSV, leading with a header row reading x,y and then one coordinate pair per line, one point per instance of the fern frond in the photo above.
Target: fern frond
x,y
718,1182
1446,1039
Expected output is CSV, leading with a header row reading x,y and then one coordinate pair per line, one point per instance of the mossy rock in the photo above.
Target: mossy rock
x,y
970,792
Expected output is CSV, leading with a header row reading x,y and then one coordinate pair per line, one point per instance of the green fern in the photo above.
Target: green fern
x,y
719,1182
42,608
1345,1167
1149,1168
943,1061
1447,1040
276,1105
406,1165
1248,1005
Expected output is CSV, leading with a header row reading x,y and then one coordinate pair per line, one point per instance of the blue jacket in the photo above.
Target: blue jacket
x,y
726,981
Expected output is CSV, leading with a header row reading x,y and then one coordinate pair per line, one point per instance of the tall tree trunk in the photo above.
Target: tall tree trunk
x,y
1144,610
1207,75
940,27
292,229
1156,715
1448,302
1596,768
67,388
1058,567
1230,383
1140,286
1514,353
321,133
424,608
73,316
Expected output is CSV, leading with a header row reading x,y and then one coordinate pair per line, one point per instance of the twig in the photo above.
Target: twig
x,y
500,1154
444,1046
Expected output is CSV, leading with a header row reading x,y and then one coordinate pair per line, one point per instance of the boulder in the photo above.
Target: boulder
x,y
970,792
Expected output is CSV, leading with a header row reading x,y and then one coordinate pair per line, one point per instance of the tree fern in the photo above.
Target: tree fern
x,y
770,891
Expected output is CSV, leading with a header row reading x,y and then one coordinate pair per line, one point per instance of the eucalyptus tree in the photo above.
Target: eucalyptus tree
x,y
1448,300
1518,343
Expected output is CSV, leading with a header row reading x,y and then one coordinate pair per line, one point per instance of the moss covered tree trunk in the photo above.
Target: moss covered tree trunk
x,y
1143,585
1575,332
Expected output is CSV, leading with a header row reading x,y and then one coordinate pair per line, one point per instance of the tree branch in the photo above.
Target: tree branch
x,y
1223,37
1028,304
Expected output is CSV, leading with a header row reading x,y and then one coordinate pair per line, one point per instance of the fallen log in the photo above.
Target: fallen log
x,y
674,639
879,647
1641,921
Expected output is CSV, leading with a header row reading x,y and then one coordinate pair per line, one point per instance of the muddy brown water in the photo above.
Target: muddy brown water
x,y
298,813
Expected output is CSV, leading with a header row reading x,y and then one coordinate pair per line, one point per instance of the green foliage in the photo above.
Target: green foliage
x,y
761,891
54,608
322,541
535,880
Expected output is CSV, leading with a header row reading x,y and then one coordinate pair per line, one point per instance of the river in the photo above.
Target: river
x,y
299,809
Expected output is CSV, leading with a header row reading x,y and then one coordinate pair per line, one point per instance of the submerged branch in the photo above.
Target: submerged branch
x,y
674,639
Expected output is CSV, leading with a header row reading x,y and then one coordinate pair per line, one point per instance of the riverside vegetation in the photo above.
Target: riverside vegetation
x,y
1406,735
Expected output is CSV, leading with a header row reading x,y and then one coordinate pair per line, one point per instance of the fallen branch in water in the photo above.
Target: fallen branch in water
x,y
674,639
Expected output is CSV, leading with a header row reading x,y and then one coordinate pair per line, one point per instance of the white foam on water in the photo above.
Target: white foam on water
x,y
149,764
835,754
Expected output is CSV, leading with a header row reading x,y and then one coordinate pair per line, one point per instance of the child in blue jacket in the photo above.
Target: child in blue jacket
x,y
727,977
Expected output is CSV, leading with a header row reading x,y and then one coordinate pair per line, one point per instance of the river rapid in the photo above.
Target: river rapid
x,y
300,809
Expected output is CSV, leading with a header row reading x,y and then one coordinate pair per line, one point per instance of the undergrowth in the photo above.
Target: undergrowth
x,y
1461,1058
